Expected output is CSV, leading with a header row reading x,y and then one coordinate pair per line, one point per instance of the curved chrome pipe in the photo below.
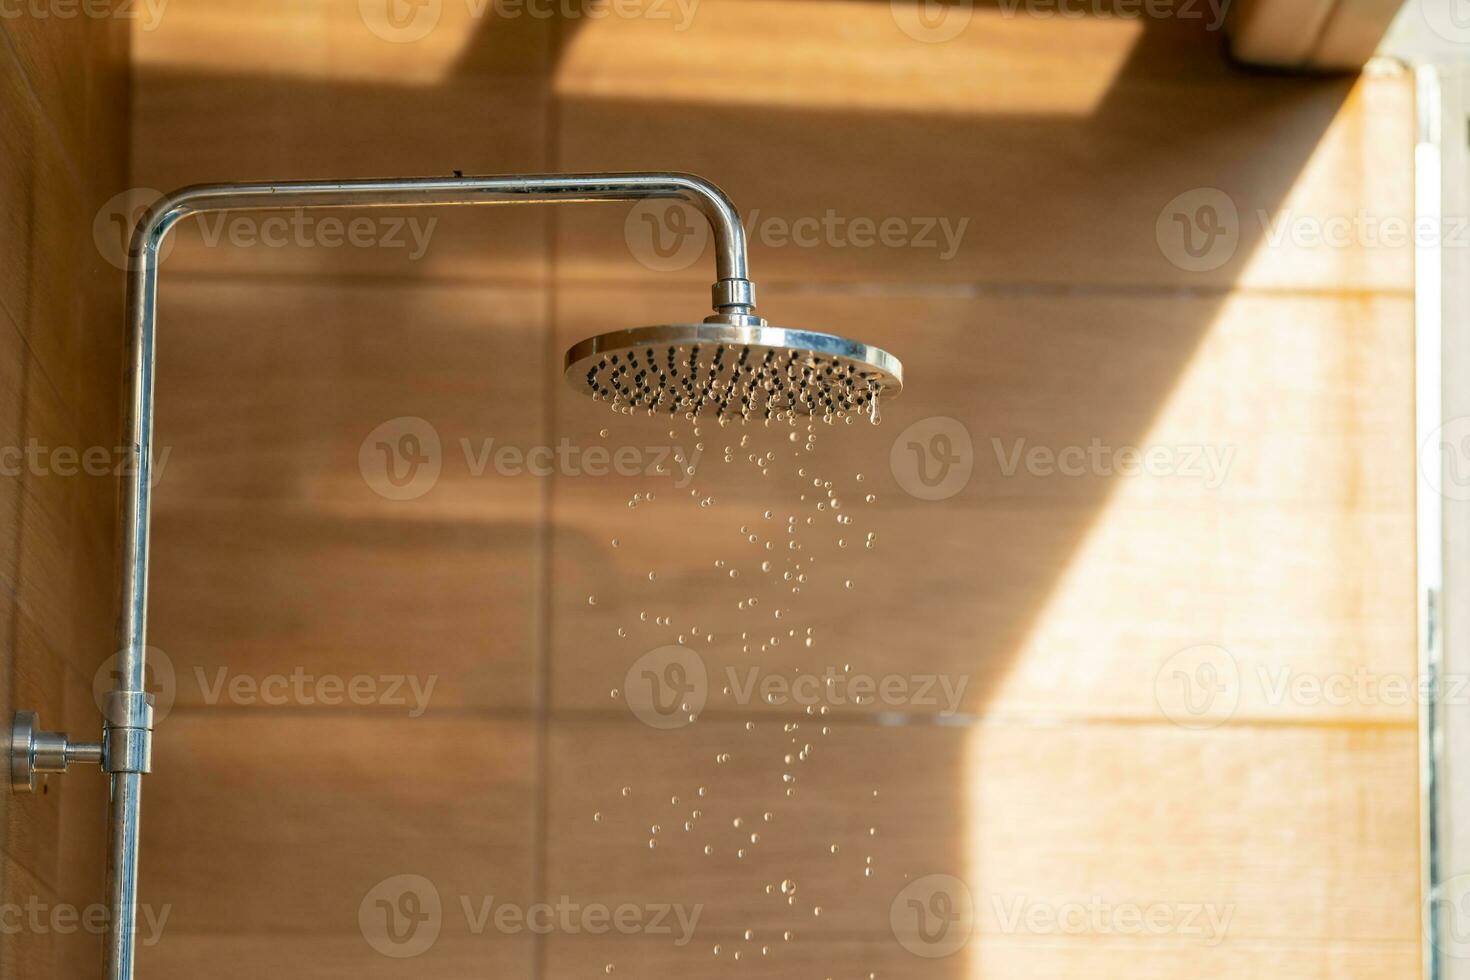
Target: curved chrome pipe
x,y
128,715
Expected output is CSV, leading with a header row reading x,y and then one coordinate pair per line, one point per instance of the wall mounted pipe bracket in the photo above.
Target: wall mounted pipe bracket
x,y
33,751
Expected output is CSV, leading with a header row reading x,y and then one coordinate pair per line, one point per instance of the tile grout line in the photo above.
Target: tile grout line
x,y
545,579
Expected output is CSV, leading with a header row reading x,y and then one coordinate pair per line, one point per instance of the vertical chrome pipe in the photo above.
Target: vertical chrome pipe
x,y
122,874
128,715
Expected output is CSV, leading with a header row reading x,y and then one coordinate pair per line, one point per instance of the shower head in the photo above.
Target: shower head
x,y
733,372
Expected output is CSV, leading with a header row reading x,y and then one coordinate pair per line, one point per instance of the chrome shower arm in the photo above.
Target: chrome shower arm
x,y
127,732
709,200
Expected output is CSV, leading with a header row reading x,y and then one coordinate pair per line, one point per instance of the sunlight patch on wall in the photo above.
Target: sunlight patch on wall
x,y
850,54
402,43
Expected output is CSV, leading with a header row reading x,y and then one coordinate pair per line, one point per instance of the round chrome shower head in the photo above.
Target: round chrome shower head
x,y
733,372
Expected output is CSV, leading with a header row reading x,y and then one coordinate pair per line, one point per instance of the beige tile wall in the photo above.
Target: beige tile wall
x,y
1061,602
63,141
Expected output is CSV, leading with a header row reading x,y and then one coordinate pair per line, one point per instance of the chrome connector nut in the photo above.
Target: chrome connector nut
x,y
127,738
35,751
127,749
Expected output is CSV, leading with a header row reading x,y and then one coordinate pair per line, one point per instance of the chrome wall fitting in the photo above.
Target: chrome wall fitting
x,y
35,751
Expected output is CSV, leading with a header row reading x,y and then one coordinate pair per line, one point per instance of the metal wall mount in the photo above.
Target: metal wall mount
x,y
33,751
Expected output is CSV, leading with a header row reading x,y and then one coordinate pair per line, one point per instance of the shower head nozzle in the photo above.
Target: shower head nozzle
x,y
733,372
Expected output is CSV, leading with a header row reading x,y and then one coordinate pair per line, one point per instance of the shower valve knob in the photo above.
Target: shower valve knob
x,y
35,751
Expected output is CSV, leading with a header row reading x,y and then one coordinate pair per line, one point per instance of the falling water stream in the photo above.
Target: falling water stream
x,y
774,559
